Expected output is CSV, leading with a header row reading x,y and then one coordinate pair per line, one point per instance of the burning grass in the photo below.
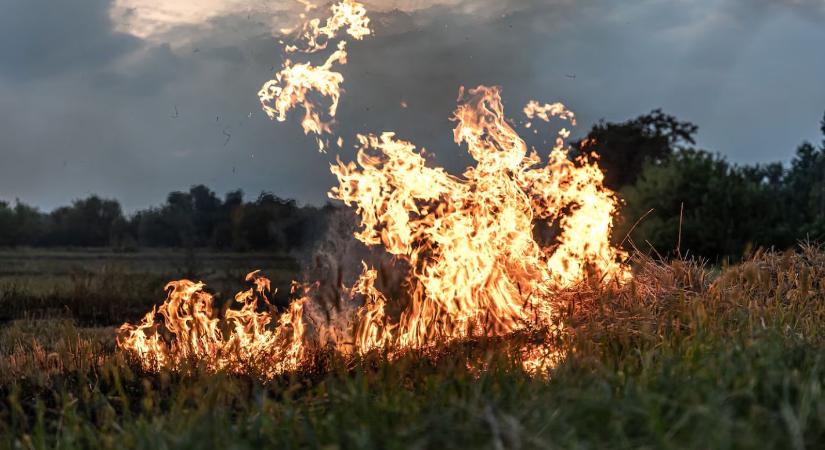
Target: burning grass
x,y
496,340
680,357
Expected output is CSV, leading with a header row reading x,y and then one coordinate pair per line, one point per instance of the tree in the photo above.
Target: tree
x,y
624,148
8,226
230,209
822,128
805,186
262,224
154,230
713,202
206,207
86,223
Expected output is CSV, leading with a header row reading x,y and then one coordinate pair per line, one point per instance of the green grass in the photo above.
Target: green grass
x,y
99,287
680,358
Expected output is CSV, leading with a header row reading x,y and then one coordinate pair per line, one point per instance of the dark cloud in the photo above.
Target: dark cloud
x,y
47,38
154,68
89,110
808,9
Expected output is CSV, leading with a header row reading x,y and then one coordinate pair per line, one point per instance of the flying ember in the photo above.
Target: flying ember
x,y
472,263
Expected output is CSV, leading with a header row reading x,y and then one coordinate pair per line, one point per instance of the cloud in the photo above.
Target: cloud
x,y
41,38
182,21
179,21
808,9
132,99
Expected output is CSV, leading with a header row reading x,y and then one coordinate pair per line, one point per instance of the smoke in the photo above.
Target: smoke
x,y
332,267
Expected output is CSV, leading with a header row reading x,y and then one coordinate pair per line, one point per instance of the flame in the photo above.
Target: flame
x,y
474,266
295,81
195,336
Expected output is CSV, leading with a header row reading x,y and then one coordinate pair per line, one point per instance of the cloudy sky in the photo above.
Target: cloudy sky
x,y
134,98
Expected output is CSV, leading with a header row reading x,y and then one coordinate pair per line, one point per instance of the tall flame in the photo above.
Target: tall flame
x,y
474,266
296,81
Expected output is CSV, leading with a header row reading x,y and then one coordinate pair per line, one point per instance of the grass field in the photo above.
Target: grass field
x,y
682,357
99,287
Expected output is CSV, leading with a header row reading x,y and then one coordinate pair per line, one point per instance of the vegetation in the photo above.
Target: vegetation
x,y
682,199
96,287
193,219
682,357
674,194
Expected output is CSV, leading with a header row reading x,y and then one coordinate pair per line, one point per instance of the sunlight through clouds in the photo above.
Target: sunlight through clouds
x,y
157,20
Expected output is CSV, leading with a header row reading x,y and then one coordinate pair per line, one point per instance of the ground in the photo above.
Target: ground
x,y
685,356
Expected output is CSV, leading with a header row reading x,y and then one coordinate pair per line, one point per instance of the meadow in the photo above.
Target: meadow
x,y
684,356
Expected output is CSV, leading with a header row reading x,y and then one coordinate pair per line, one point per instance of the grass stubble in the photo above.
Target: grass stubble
x,y
682,357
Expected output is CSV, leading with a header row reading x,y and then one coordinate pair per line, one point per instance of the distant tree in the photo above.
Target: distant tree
x,y
205,209
261,225
30,224
124,235
154,230
822,128
726,209
805,186
86,223
230,209
21,225
624,148
179,212
199,218
8,226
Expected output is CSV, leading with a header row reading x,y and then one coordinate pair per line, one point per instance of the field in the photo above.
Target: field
x,y
685,356
99,287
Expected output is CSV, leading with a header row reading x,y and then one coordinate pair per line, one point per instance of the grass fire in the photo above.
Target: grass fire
x,y
523,286
473,266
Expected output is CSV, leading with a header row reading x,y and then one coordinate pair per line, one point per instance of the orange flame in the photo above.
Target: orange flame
x,y
295,81
195,336
475,264
475,267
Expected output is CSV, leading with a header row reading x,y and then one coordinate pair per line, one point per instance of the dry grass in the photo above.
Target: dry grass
x,y
685,356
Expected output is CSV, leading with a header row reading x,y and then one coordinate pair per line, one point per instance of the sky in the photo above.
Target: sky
x,y
131,99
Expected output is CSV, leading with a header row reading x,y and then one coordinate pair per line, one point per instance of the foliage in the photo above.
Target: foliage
x,y
706,206
683,200
193,219
700,202
87,223
624,148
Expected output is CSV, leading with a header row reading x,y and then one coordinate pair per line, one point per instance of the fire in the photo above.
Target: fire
x,y
296,81
193,335
473,264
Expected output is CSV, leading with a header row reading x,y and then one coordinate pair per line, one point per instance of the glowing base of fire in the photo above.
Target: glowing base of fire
x,y
246,342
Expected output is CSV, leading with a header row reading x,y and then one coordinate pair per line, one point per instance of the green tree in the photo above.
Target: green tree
x,y
263,224
721,209
8,226
86,223
624,148
805,185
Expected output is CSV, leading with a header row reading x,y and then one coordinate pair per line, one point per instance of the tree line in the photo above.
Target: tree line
x,y
197,218
677,199
682,200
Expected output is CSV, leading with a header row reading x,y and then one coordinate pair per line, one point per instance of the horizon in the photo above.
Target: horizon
x,y
132,99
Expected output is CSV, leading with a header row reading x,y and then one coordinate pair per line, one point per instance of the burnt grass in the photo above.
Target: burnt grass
x,y
685,356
